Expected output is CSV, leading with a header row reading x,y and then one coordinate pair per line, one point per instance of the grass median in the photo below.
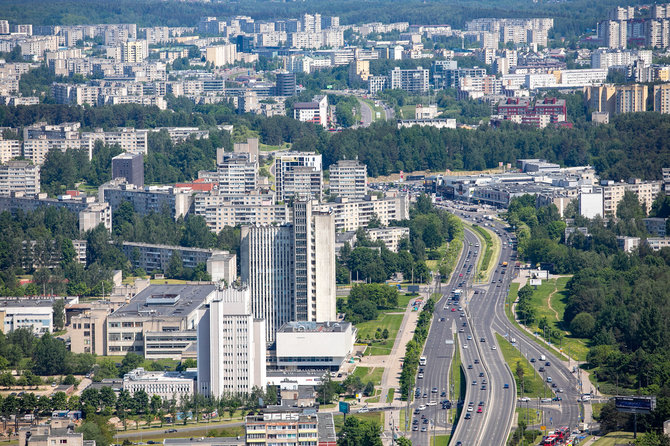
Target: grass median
x,y
528,382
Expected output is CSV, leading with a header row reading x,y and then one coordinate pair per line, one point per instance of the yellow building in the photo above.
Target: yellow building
x,y
662,98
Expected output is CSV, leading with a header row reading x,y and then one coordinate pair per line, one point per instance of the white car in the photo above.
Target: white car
x,y
422,407
363,410
493,347
431,403
524,399
470,408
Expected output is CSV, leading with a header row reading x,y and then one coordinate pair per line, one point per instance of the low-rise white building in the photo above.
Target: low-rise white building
x,y
390,236
33,314
164,384
314,345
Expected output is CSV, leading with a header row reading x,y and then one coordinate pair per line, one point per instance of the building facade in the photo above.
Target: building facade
x,y
348,178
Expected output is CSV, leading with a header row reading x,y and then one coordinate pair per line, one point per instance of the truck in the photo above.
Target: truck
x,y
504,264
457,294
543,358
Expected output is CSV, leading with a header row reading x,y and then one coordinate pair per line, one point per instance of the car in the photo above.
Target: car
x,y
453,310
560,390
416,411
467,416
420,369
470,409
469,366
482,340
459,444
469,338
425,395
476,361
462,330
420,376
541,369
479,410
524,399
441,319
415,427
424,428
462,314
532,359
465,346
483,387
481,374
435,390
506,386
443,394
548,379
415,421
547,363
553,385
474,383
431,403
460,275
421,407
545,400
481,403
460,308
557,398
363,410
493,347
170,431
465,324
484,381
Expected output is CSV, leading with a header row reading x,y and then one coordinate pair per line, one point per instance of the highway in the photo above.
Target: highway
x,y
434,385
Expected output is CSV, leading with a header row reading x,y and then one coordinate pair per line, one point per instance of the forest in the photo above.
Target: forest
x,y
619,301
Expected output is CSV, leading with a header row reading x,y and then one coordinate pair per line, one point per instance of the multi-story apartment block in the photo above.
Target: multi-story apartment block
x,y
175,201
129,166
157,34
631,98
348,178
231,347
315,111
613,193
298,174
128,139
9,149
613,33
414,81
134,51
548,110
391,236
220,211
19,177
221,55
236,173
662,98
350,215
95,214
377,84
605,58
52,434
159,311
290,269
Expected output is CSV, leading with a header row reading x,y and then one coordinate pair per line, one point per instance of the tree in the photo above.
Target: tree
x,y
519,371
96,428
175,267
141,401
7,380
50,356
59,314
583,325
403,441
369,389
70,380
356,432
130,362
155,404
653,439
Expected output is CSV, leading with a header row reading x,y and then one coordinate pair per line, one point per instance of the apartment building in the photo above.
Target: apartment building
x,y
129,166
145,200
170,311
129,139
21,177
167,385
348,178
134,51
290,269
350,215
315,112
221,55
231,347
219,214
95,214
613,193
631,98
9,149
280,426
52,434
236,173
152,257
391,236
661,98
413,81
298,174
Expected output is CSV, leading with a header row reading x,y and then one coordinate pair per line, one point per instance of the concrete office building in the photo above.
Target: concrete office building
x,y
19,177
298,174
129,166
314,345
315,112
291,269
34,314
349,178
167,385
171,311
87,330
231,347
286,85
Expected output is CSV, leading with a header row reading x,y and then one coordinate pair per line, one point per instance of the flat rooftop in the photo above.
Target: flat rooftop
x,y
314,327
165,301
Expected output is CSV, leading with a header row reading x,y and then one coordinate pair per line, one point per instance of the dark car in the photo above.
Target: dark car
x,y
467,416
541,369
547,363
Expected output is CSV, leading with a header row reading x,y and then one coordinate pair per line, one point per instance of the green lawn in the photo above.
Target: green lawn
x,y
511,297
271,148
440,440
596,408
367,374
408,111
530,415
614,438
390,396
339,419
403,300
534,385
367,330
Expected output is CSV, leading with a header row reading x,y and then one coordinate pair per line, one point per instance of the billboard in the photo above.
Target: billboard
x,y
535,282
344,407
635,404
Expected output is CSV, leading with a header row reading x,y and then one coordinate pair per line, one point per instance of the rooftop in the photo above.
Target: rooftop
x,y
314,327
166,301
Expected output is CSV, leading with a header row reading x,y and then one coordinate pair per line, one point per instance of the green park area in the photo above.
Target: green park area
x,y
385,323
528,382
615,438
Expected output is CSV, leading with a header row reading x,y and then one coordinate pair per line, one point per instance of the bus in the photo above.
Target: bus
x,y
457,294
551,440
422,361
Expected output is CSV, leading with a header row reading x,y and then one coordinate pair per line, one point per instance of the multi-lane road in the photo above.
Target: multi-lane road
x,y
490,385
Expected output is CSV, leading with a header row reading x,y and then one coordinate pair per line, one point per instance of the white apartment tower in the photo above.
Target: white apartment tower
x,y
348,178
19,176
298,174
290,269
231,351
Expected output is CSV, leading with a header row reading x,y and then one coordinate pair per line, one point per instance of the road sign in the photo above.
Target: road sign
x,y
344,407
543,428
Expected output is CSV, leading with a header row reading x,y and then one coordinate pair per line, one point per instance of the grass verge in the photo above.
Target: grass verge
x,y
391,394
457,382
367,330
529,415
614,438
368,374
440,440
533,384
374,416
